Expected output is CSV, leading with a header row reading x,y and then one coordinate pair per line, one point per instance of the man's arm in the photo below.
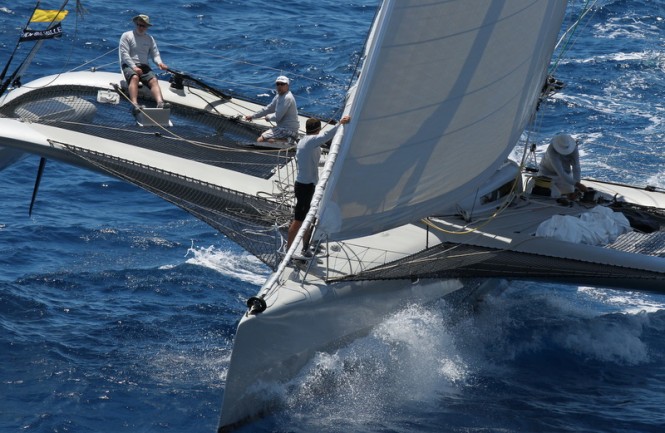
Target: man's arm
x,y
560,170
154,53
125,50
270,108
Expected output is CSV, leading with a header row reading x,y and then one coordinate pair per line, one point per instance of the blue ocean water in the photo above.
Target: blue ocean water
x,y
118,311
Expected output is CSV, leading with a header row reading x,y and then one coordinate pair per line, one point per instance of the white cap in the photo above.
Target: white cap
x,y
564,144
282,79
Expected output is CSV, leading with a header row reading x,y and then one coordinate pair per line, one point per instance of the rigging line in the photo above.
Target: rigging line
x,y
508,200
363,51
358,257
538,119
364,249
214,108
614,148
219,147
320,82
512,247
71,49
567,38
233,102
244,62
80,9
270,91
620,148
432,224
359,250
285,184
95,59
18,43
609,146
172,134
510,197
435,257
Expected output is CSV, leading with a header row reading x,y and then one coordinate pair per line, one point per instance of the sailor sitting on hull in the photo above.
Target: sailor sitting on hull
x,y
135,49
560,168
283,110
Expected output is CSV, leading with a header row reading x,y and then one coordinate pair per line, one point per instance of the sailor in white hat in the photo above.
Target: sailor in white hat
x,y
283,111
561,163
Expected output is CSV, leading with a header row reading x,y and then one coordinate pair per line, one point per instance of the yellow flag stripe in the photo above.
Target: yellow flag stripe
x,y
46,16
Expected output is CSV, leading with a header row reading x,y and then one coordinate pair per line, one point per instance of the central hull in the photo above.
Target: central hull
x,y
302,319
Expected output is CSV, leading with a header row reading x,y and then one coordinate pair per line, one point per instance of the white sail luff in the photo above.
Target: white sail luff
x,y
329,215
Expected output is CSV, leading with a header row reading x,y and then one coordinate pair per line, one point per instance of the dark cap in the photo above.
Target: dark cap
x,y
312,125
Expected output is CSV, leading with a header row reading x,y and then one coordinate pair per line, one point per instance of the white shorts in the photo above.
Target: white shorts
x,y
278,133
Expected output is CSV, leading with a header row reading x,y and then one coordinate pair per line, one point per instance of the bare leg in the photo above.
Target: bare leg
x,y
293,231
156,91
133,87
261,139
308,237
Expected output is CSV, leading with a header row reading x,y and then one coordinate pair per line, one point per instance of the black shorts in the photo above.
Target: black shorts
x,y
146,76
304,193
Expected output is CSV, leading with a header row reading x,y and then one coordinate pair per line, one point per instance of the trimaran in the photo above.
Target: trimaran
x,y
417,199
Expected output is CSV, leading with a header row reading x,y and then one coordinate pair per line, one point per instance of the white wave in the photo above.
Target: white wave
x,y
608,340
629,26
180,368
241,266
624,301
598,324
657,180
410,358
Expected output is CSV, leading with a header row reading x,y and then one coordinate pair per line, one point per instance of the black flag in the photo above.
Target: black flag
x,y
35,35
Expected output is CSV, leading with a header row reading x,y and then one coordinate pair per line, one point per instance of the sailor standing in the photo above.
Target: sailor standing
x,y
308,153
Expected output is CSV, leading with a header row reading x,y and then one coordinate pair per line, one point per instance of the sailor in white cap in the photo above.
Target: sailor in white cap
x,y
561,163
283,111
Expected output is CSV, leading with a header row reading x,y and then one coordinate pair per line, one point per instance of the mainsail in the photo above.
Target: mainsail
x,y
445,93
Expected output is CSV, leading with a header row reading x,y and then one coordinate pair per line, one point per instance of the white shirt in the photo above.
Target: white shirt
x,y
283,111
135,48
308,153
563,169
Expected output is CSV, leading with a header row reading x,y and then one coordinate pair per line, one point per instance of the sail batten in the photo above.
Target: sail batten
x,y
441,101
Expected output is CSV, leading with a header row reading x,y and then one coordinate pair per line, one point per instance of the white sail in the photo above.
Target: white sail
x,y
445,92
